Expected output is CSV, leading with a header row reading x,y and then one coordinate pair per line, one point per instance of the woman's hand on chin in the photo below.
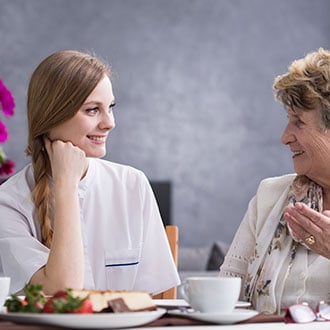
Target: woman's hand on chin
x,y
68,162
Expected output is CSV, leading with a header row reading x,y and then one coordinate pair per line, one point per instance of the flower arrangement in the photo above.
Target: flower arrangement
x,y
7,105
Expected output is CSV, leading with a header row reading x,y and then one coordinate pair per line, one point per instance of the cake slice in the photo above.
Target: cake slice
x,y
132,301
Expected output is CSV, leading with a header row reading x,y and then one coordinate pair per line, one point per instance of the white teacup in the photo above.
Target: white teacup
x,y
211,294
4,289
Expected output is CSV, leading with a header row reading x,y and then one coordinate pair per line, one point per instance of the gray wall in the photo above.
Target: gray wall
x,y
193,82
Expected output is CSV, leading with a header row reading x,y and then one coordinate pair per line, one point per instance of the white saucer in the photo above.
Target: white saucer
x,y
237,315
182,303
171,303
242,304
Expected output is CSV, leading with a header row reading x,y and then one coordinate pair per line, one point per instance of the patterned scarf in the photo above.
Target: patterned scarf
x,y
268,272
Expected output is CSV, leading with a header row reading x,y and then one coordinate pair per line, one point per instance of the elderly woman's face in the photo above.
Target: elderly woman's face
x,y
309,143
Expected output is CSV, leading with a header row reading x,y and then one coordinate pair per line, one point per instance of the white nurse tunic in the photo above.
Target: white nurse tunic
x,y
125,245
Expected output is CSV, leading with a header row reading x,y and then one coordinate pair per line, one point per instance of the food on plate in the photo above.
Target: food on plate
x,y
65,302
35,301
79,301
117,301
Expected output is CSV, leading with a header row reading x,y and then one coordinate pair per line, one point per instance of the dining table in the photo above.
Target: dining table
x,y
174,320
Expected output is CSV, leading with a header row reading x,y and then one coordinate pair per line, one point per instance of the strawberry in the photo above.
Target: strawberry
x,y
85,308
49,307
65,302
60,294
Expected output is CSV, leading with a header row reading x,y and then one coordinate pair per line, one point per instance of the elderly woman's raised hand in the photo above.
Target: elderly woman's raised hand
x,y
310,226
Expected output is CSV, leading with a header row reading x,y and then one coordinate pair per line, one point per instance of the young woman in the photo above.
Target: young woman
x,y
71,219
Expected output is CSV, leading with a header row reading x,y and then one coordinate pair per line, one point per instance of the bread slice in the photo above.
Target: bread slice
x,y
136,301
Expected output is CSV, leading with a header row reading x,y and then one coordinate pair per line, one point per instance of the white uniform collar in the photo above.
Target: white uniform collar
x,y
87,179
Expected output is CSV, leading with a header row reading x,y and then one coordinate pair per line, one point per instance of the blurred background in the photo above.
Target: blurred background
x,y
193,85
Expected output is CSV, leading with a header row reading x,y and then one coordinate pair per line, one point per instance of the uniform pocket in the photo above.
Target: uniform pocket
x,y
121,268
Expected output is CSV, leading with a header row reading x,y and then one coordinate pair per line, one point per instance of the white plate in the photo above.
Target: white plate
x,y
237,315
87,321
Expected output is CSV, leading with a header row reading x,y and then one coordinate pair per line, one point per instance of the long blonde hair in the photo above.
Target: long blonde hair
x,y
307,84
58,87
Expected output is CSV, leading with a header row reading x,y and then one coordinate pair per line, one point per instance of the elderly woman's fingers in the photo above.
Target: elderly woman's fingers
x,y
310,218
311,227
297,227
312,215
301,219
327,213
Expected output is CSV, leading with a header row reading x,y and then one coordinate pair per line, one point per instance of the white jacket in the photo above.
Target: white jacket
x,y
309,277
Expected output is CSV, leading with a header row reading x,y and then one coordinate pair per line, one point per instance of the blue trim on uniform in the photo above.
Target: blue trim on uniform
x,y
119,265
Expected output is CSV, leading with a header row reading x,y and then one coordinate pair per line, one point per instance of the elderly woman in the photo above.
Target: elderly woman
x,y
285,258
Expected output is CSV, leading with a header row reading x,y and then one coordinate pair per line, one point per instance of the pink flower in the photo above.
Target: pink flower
x,y
3,132
7,168
7,104
7,101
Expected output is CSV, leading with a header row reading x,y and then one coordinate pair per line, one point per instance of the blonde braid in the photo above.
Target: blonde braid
x,y
41,194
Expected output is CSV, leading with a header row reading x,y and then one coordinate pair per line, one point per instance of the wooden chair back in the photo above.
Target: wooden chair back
x,y
172,233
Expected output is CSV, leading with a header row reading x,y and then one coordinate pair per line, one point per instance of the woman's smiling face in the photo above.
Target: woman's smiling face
x,y
89,127
309,142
